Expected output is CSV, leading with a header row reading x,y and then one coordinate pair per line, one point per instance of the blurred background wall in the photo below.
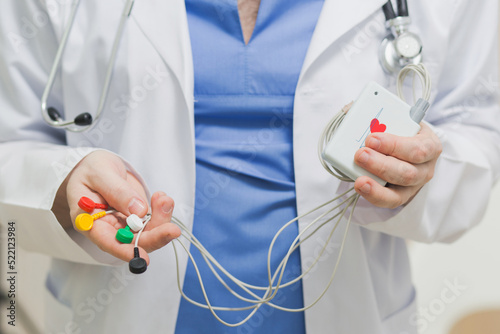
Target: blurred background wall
x,y
458,285
461,279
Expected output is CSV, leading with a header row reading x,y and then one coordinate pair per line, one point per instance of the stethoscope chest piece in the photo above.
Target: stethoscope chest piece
x,y
401,47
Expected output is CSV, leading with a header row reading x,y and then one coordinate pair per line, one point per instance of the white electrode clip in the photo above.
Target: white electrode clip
x,y
135,223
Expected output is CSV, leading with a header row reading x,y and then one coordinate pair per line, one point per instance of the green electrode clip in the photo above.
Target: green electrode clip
x,y
124,235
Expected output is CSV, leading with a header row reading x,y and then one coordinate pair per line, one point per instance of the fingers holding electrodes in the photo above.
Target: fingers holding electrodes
x,y
104,236
134,239
160,230
101,228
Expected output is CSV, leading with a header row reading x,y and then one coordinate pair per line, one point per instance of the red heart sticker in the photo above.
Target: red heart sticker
x,y
375,126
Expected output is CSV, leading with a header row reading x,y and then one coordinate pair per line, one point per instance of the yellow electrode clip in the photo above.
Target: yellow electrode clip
x,y
84,221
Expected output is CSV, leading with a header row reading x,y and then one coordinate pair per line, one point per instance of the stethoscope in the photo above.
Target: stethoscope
x,y
400,48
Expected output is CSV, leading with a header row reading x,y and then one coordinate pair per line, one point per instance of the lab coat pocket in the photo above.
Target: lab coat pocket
x,y
402,320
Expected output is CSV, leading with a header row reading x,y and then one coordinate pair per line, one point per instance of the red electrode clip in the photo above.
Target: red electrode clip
x,y
89,205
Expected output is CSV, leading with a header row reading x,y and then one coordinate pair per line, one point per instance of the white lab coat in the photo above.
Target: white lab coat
x,y
148,121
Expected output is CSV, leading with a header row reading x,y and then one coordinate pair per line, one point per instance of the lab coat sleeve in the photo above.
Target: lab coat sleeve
x,y
465,116
34,160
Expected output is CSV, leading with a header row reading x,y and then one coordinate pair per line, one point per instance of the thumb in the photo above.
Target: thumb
x,y
121,192
104,173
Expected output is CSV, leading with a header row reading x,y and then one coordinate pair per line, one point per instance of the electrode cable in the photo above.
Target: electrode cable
x,y
350,200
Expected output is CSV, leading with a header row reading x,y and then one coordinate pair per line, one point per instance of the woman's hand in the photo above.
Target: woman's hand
x,y
102,177
406,163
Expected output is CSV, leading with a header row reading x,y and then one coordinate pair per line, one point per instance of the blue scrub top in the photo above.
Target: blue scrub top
x,y
245,187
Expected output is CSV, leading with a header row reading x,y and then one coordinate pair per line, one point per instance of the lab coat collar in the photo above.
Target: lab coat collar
x,y
164,23
336,18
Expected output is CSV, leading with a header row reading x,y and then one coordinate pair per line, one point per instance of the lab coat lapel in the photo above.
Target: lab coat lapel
x,y
336,18
312,108
164,23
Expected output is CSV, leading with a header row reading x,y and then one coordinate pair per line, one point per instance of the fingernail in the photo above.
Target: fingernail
x,y
166,209
366,188
136,206
363,158
374,143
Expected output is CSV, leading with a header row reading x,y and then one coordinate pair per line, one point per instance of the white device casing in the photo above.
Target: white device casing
x,y
376,104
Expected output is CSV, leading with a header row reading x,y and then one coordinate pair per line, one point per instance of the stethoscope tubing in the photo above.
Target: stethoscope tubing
x,y
60,123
